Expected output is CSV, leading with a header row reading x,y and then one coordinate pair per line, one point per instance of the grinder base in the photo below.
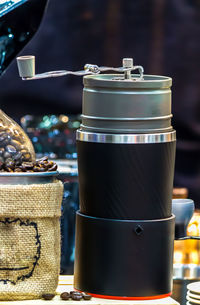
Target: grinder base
x,y
124,258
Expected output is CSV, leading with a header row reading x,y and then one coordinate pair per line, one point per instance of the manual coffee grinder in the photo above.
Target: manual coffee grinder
x,y
126,153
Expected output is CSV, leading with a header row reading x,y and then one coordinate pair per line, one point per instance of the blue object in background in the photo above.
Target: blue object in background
x,y
53,135
19,21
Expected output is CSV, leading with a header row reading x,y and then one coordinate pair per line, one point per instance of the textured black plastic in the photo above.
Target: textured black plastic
x,y
126,181
124,258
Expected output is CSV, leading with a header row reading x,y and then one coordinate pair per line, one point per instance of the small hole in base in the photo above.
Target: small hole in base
x,y
138,230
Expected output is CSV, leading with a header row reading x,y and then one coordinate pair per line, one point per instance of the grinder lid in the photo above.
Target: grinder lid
x,y
114,104
118,81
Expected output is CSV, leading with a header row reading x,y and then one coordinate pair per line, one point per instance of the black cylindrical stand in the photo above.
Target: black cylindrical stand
x,y
124,258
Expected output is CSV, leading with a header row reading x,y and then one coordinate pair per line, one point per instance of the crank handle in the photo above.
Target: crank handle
x,y
26,67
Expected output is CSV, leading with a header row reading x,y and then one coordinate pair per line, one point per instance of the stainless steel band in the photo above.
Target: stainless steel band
x,y
126,119
125,138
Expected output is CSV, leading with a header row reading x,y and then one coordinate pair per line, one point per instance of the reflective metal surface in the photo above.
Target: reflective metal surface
x,y
114,81
114,105
186,271
125,138
27,178
26,67
126,119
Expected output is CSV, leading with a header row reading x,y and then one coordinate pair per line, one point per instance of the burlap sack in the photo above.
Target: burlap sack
x,y
29,240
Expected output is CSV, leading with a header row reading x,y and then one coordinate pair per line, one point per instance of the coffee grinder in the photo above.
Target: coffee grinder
x,y
126,153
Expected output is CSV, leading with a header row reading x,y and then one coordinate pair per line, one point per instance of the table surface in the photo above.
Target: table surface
x,y
66,284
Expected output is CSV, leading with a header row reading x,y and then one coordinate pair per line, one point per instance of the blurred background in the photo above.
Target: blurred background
x,y
161,35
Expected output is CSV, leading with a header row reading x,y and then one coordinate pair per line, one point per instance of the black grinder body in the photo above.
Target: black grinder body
x,y
125,227
126,181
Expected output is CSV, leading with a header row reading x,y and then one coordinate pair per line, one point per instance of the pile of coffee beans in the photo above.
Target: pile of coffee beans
x,y
41,165
48,296
75,296
13,146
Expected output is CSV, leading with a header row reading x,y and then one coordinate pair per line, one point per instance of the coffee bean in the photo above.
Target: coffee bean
x,y
53,168
18,170
26,157
11,149
77,293
17,156
48,296
8,160
2,150
45,158
50,163
72,292
76,296
65,296
16,133
41,169
44,164
36,168
10,164
87,296
27,165
7,131
9,170
3,136
20,167
16,138
1,165
4,139
7,155
18,162
16,144
21,162
23,151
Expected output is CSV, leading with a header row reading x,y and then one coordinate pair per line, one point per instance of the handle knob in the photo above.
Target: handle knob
x,y
26,66
127,63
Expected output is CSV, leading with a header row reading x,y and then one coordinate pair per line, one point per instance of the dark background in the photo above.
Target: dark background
x,y
161,35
